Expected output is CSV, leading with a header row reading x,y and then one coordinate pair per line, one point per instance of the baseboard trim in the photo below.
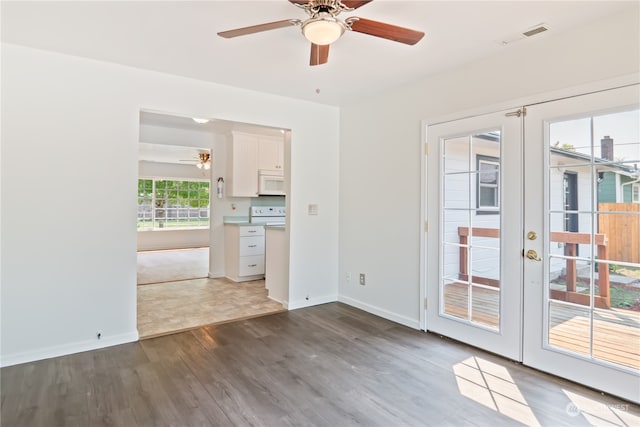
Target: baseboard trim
x,y
213,275
389,315
65,349
293,305
285,304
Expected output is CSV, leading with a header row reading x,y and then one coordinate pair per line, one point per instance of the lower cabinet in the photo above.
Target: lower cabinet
x,y
244,252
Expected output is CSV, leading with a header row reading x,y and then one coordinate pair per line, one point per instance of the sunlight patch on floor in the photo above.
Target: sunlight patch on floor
x,y
491,385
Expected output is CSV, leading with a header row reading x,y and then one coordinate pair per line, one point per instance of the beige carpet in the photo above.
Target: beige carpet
x,y
177,306
172,265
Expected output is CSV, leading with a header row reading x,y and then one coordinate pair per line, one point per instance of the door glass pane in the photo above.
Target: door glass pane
x,y
456,190
485,304
471,268
593,280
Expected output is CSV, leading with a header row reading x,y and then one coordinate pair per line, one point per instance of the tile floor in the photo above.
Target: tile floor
x,y
170,307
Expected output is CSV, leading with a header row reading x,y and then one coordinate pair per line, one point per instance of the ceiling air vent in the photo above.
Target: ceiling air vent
x,y
537,30
512,38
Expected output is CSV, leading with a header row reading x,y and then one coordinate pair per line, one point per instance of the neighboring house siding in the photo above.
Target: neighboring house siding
x,y
607,188
627,196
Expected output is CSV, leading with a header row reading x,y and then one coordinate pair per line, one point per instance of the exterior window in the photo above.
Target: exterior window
x,y
488,185
174,204
635,193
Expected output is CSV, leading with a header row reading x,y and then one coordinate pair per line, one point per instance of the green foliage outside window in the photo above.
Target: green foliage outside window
x,y
166,203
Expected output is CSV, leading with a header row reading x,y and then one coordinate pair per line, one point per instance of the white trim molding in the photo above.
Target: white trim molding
x,y
293,305
394,317
70,348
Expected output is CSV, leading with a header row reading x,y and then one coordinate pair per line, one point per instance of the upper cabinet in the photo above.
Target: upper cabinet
x,y
249,153
270,153
242,173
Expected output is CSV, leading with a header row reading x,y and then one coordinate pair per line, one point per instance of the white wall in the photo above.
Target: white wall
x,y
380,149
66,276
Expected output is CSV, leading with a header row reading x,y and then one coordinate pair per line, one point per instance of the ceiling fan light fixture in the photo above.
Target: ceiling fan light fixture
x,y
205,161
323,29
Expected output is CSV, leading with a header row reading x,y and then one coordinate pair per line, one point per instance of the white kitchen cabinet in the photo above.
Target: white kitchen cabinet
x,y
249,153
270,153
242,173
244,248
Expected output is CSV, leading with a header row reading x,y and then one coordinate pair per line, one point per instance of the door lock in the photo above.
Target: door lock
x,y
532,235
533,255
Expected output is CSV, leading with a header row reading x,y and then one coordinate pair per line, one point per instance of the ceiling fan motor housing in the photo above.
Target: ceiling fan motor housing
x,y
315,7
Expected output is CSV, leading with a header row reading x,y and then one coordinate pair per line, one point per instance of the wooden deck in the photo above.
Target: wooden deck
x,y
616,332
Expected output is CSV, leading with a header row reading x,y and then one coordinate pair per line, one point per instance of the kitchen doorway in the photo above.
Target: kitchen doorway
x,y
181,252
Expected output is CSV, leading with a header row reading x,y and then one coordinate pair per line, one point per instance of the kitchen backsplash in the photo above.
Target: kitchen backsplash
x,y
268,201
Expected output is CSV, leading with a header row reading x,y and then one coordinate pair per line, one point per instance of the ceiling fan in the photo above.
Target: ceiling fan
x,y
203,162
323,26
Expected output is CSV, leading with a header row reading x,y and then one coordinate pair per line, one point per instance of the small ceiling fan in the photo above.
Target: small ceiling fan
x,y
323,26
203,162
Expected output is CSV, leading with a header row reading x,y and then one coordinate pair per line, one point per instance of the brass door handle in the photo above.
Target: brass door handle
x,y
533,255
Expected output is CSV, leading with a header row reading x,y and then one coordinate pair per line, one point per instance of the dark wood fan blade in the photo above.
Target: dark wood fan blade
x,y
354,4
258,28
387,31
319,54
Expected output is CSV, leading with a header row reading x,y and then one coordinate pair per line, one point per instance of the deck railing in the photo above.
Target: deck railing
x,y
571,241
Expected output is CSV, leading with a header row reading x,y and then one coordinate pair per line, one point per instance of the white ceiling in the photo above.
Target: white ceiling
x,y
180,38
185,154
162,153
217,126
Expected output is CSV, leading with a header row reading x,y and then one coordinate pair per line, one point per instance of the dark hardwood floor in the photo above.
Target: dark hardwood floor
x,y
330,365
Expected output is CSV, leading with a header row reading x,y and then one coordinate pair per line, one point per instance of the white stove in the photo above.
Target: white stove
x,y
267,215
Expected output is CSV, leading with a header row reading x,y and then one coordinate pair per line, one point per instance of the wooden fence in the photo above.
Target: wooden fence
x,y
623,229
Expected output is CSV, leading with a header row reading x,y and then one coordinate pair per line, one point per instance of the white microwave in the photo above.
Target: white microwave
x,y
270,183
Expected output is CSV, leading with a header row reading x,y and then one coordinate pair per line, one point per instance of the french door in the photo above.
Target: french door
x,y
582,290
533,247
474,256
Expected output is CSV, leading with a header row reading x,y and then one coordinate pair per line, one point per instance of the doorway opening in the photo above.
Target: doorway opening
x,y
182,206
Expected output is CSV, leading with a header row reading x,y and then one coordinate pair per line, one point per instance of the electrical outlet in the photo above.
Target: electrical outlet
x,y
348,276
362,280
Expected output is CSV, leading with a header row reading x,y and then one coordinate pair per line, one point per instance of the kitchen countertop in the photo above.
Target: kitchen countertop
x,y
243,221
235,220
